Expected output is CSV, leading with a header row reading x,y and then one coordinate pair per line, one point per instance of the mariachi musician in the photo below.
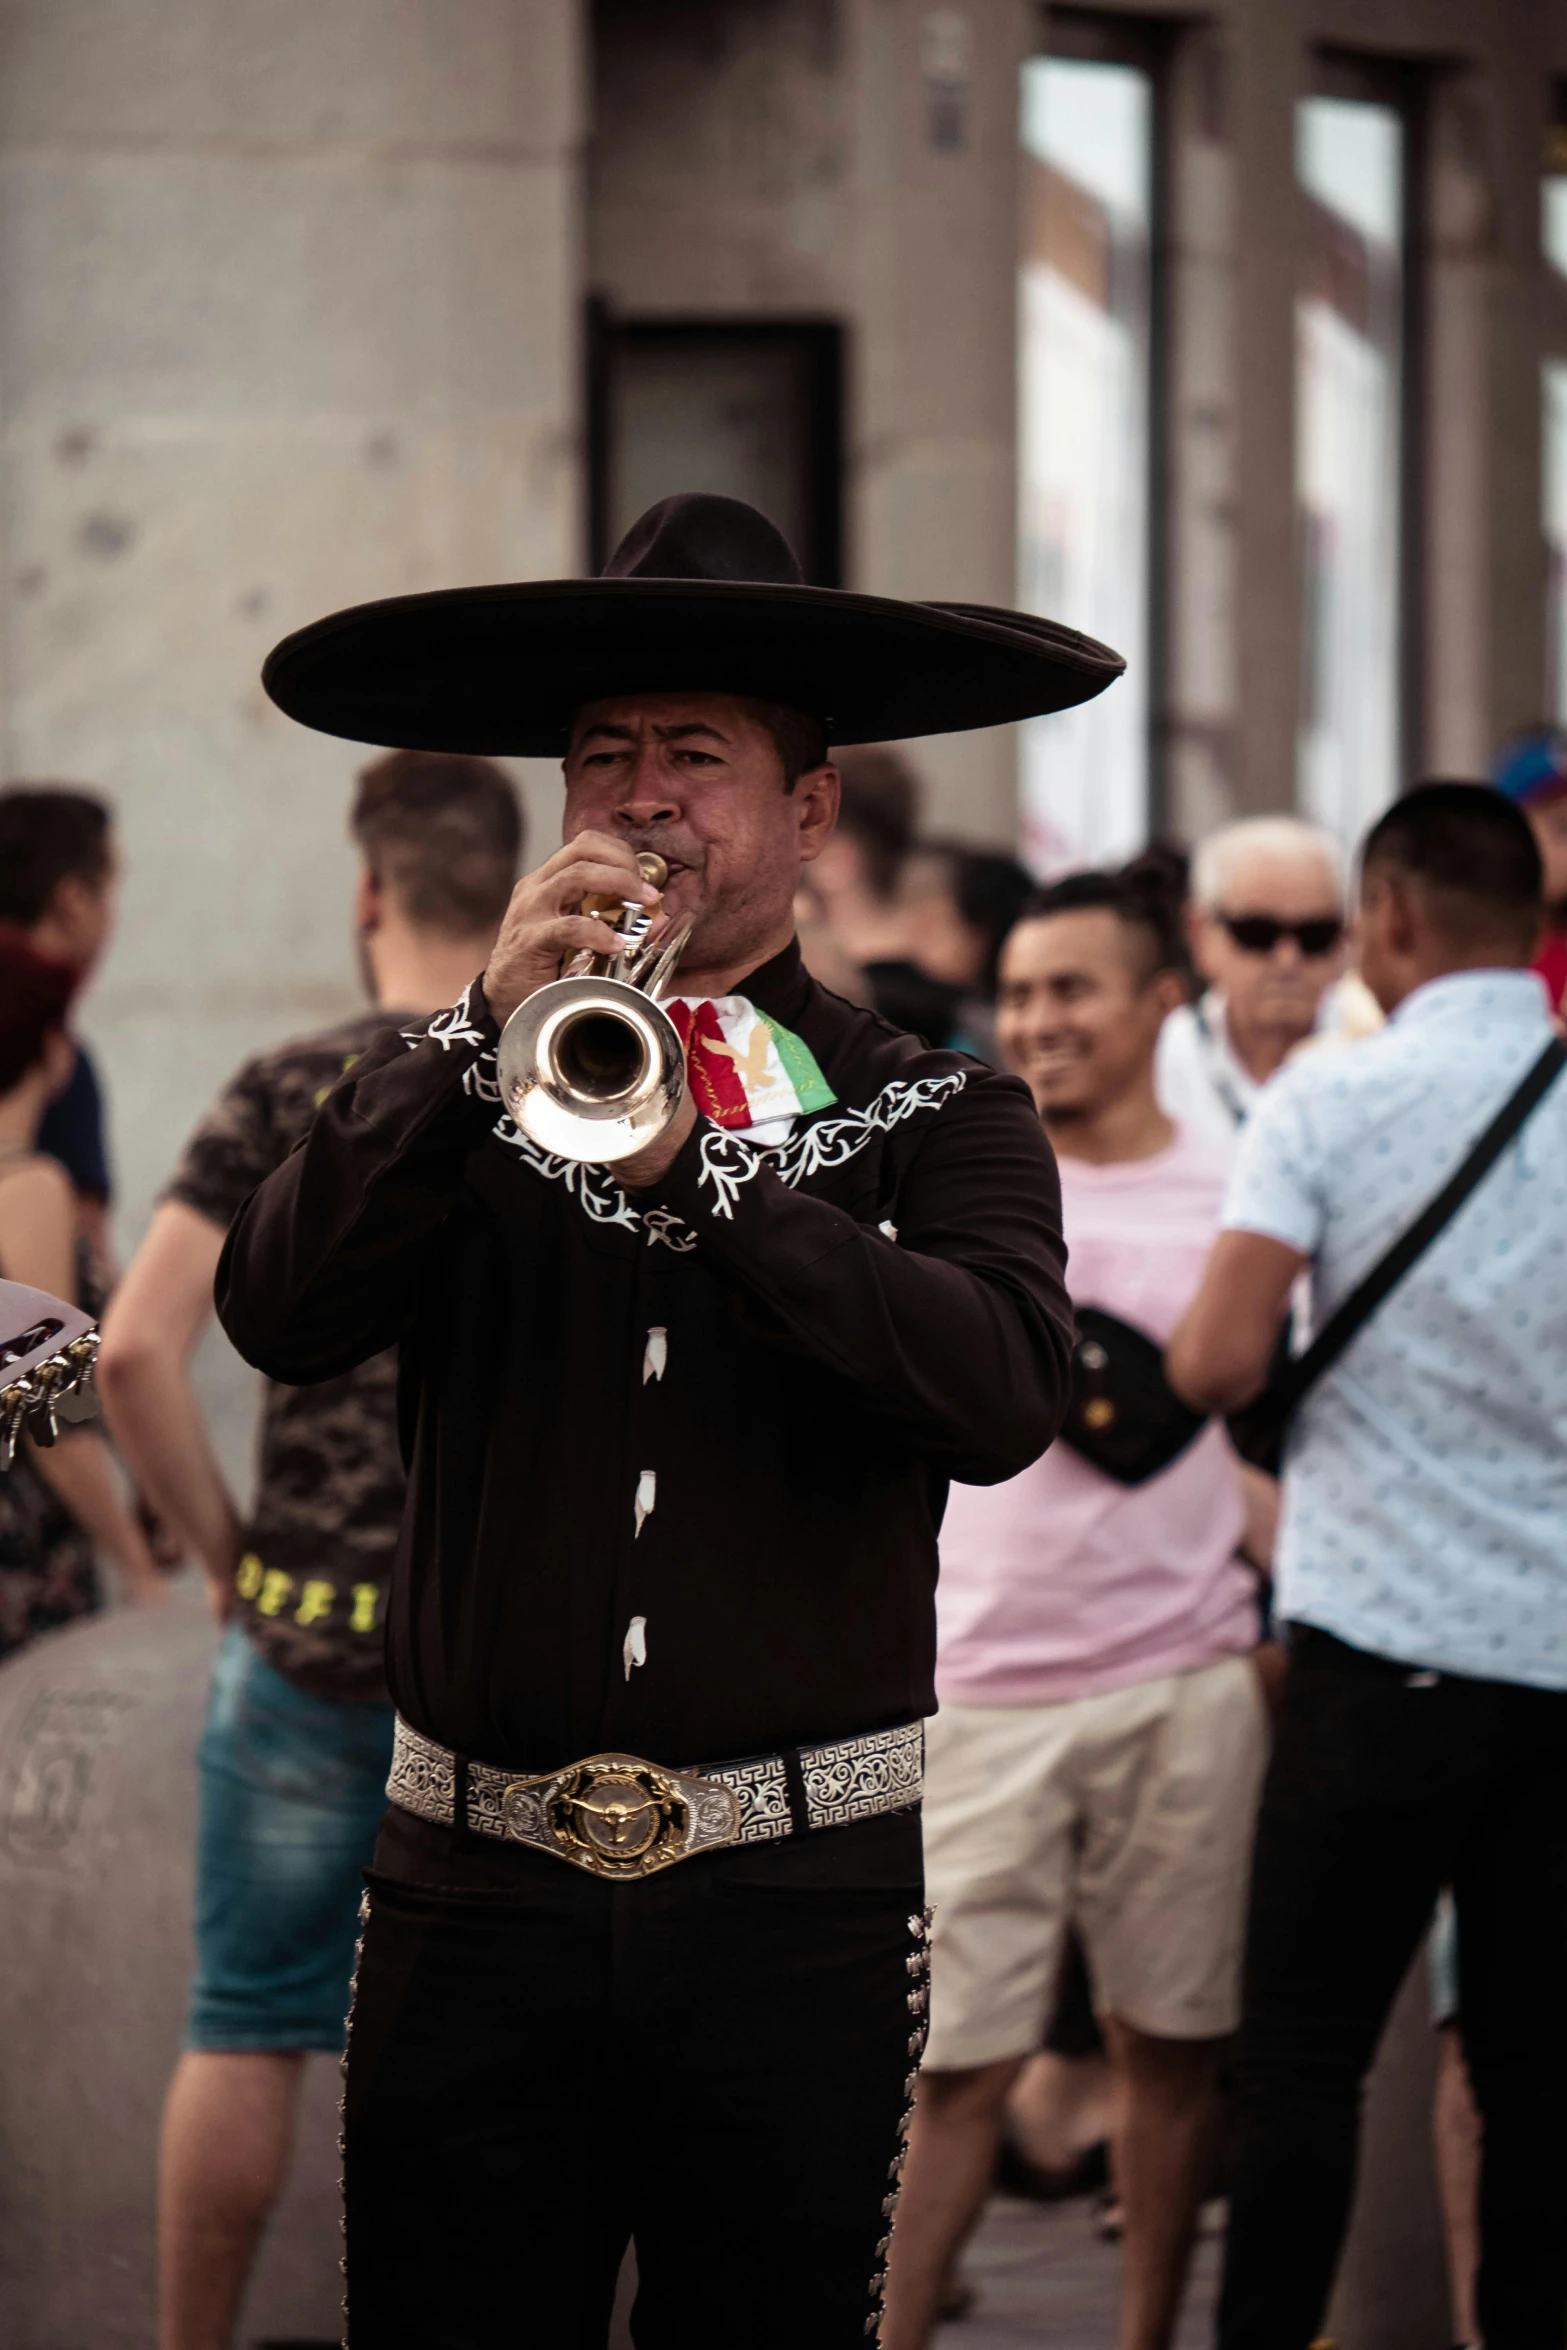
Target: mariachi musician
x,y
643,1954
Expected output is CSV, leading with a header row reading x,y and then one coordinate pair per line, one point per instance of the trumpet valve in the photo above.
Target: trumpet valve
x,y
629,918
615,911
623,911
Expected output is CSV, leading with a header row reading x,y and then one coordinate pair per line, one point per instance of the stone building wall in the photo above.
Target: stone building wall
x,y
288,318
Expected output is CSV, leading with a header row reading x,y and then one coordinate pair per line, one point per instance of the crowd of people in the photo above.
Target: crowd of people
x,y
1202,1769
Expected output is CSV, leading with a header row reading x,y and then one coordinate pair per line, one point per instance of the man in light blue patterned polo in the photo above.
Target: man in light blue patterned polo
x,y
1422,1570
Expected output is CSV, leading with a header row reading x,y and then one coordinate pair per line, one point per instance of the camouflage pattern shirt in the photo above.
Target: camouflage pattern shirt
x,y
311,1586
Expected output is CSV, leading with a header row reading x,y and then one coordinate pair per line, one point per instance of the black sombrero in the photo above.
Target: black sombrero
x,y
702,595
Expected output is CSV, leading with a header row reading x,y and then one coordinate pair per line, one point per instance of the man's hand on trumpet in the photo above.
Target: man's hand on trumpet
x,y
544,925
645,1167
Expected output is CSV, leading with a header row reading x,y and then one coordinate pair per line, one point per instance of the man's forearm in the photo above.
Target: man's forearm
x,y
1211,1374
159,1429
319,1264
78,1469
1222,1349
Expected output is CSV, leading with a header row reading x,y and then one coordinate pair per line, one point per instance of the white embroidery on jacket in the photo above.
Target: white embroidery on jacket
x,y
458,1026
481,1078
663,1224
728,1163
601,1198
597,1192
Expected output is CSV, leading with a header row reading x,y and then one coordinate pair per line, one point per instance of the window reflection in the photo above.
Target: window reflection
x,y
1083,458
1349,353
1554,502
1553,198
1553,226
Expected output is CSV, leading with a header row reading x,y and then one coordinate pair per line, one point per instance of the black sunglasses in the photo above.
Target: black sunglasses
x,y
1259,934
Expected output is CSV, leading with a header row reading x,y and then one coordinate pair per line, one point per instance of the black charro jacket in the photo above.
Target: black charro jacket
x,y
842,1324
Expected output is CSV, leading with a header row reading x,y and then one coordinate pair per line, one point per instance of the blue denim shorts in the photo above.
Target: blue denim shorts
x,y
292,1792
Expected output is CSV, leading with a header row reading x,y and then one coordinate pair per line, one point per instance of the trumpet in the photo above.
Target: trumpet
x,y
590,1067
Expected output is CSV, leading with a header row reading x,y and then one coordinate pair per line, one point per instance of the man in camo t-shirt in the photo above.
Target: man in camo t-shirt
x,y
329,1477
299,1727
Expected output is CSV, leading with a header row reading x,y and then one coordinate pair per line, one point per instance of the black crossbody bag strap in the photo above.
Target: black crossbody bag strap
x,y
1363,1301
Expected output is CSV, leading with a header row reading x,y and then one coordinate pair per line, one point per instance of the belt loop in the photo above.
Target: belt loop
x,y
794,1790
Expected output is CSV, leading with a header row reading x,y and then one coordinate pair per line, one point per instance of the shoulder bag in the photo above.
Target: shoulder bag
x,y
1123,1416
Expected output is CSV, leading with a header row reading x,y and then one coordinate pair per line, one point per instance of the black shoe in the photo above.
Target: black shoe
x,y
1109,2221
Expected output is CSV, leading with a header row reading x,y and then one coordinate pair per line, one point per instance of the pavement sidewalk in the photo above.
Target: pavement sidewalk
x,y
1043,2276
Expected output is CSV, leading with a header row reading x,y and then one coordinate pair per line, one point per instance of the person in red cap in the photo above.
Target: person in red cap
x,y
1532,773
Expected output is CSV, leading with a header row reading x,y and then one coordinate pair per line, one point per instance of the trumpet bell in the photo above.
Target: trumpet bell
x,y
591,1069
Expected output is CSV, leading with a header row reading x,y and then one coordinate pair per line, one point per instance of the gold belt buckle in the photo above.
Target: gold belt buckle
x,y
620,1817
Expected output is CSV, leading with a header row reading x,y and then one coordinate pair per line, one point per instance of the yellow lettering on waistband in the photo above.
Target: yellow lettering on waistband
x,y
365,1596
248,1579
275,1588
315,1601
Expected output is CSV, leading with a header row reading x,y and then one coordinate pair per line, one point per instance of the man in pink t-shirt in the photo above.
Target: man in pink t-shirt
x,y
1100,1746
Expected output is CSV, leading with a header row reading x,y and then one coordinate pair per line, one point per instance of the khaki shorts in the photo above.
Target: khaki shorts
x,y
1129,1814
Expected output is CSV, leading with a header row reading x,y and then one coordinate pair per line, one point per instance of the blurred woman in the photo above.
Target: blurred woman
x,y
60,1505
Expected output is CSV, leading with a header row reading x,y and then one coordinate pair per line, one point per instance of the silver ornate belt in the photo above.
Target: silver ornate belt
x,y
621,1817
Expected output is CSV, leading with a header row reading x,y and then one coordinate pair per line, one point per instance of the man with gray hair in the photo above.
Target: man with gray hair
x,y
1266,926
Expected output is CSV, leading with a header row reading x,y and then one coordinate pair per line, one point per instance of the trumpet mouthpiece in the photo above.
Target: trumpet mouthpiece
x,y
652,869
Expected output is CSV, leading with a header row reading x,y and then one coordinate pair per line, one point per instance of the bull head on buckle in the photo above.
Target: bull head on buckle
x,y
621,1817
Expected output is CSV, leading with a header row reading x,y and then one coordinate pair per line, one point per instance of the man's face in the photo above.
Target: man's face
x,y
696,778
1277,989
1548,822
1077,1016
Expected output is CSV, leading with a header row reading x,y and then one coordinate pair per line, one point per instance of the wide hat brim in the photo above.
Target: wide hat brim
x,y
504,669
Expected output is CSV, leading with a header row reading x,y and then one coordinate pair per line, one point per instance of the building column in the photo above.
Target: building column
x,y
1195,731
1454,589
1514,115
933,436
1269,66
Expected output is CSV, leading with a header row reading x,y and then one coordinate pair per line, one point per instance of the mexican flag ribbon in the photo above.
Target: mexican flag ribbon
x,y
744,1068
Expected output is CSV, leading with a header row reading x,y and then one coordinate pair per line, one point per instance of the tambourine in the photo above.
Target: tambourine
x,y
47,1353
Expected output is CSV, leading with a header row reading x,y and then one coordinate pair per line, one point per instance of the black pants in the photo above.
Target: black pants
x,y
1386,1785
714,2062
